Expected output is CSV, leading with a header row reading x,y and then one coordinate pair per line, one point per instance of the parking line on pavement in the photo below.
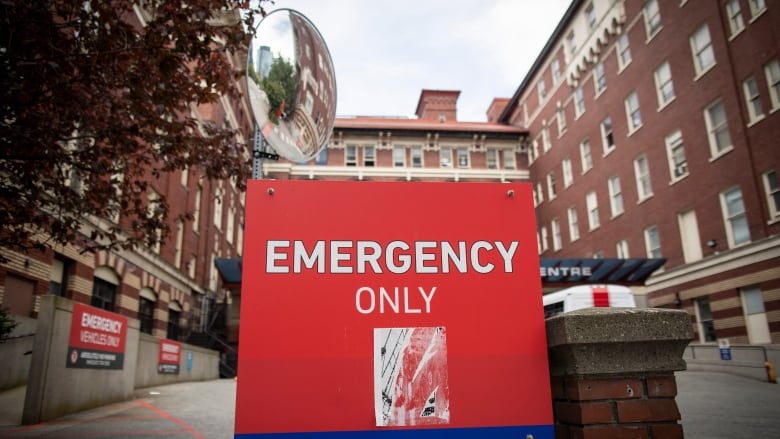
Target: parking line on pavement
x,y
188,428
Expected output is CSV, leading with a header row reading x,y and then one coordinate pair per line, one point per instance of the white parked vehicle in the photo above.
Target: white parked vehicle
x,y
587,296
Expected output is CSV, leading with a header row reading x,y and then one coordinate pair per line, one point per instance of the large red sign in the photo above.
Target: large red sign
x,y
169,356
392,308
97,338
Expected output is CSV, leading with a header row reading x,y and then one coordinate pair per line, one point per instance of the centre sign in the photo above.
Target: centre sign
x,y
391,308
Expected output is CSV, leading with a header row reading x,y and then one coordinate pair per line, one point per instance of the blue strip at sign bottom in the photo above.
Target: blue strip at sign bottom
x,y
524,432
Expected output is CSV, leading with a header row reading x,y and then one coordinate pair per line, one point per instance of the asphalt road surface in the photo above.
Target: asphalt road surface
x,y
713,405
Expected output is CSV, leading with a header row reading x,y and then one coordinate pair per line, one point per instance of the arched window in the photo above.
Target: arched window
x,y
174,314
147,301
104,288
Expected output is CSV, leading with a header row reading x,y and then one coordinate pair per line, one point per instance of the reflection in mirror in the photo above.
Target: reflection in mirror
x,y
292,85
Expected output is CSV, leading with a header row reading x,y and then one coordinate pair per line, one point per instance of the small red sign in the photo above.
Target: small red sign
x,y
97,338
390,307
169,356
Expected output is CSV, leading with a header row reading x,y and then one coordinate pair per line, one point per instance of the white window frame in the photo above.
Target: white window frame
x,y
644,186
757,7
653,242
568,174
539,193
752,100
462,153
675,153
571,43
546,143
772,191
615,196
599,78
621,249
574,225
510,161
541,90
561,118
664,86
369,156
701,50
491,158
350,155
715,129
544,239
555,227
590,16
551,190
734,218
446,157
633,114
579,102
399,156
416,156
734,16
555,66
652,18
586,156
592,205
624,52
772,73
607,135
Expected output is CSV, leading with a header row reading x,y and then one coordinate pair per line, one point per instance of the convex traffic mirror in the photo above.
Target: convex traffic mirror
x,y
292,85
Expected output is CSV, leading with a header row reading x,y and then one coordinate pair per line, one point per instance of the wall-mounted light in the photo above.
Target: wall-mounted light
x,y
677,301
712,243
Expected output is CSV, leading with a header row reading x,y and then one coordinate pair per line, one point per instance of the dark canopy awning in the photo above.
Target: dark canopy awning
x,y
605,271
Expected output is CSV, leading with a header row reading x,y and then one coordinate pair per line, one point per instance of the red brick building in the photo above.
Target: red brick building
x,y
653,133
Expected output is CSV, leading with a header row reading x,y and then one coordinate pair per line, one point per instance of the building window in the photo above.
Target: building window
x,y
445,157
540,192
621,248
540,88
174,315
632,112
571,43
600,80
574,226
322,157
615,196
509,159
218,200
568,175
755,316
585,156
185,176
663,84
551,192
689,236
546,145
624,52
644,188
544,239
556,71
399,156
592,204
652,18
736,25
772,72
146,303
735,217
653,242
556,234
752,99
757,7
231,225
179,243
58,277
196,211
717,129
463,157
701,47
104,288
492,158
706,324
607,136
561,120
417,156
579,101
675,151
350,155
590,16
772,190
369,156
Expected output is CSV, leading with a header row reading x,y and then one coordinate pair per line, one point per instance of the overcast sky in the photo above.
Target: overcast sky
x,y
385,52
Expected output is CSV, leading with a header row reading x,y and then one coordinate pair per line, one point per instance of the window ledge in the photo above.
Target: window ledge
x,y
774,221
736,34
756,15
642,200
704,72
651,37
599,93
755,121
666,104
609,151
722,153
622,68
616,215
674,181
633,130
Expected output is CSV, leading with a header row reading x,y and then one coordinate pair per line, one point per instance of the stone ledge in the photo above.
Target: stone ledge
x,y
616,341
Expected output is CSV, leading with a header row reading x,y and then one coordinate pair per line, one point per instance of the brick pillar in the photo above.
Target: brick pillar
x,y
612,372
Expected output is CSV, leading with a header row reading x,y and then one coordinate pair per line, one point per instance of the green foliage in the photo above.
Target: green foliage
x,y
7,324
95,106
280,87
